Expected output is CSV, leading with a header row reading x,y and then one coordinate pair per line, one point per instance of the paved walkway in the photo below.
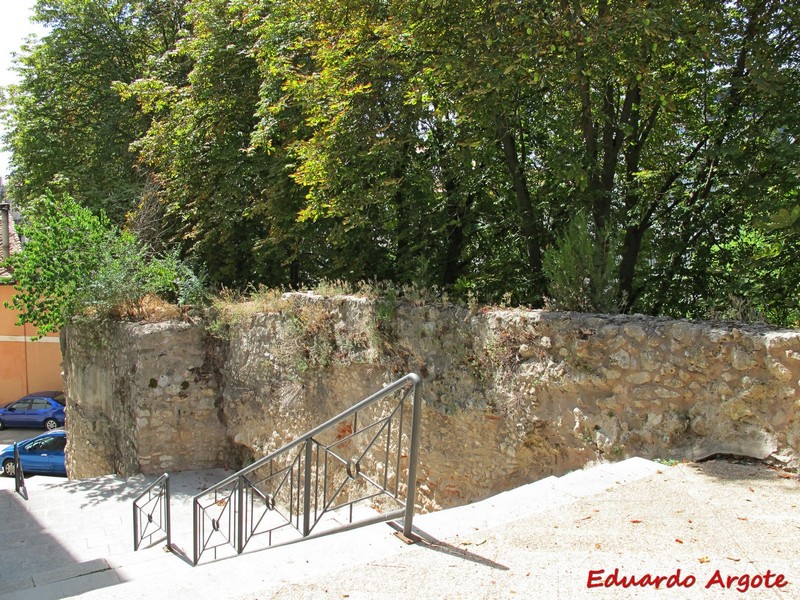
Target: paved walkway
x,y
693,528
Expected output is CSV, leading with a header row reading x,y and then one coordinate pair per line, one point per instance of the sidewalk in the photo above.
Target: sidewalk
x,y
689,527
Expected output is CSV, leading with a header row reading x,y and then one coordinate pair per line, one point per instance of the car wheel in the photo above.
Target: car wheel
x,y
8,468
2,426
50,424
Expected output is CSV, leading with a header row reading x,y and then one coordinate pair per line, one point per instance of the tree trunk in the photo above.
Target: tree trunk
x,y
529,223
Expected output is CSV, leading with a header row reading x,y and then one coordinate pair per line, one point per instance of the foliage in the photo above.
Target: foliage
x,y
66,122
76,263
582,275
441,145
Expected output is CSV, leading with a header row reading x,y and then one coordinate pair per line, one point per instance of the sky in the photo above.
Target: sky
x,y
15,26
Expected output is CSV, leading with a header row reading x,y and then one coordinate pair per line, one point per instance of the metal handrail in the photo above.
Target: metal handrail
x,y
156,510
294,487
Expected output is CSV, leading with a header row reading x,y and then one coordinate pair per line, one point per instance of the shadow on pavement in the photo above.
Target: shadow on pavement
x,y
739,469
32,556
428,541
100,489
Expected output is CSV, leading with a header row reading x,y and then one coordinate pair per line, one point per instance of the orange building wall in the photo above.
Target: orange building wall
x,y
25,366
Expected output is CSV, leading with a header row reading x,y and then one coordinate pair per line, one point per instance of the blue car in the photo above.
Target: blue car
x,y
42,454
42,409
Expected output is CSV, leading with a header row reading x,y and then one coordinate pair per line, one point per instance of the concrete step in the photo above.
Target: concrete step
x,y
60,582
538,496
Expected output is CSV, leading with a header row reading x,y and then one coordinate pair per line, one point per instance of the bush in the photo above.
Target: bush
x,y
581,277
77,263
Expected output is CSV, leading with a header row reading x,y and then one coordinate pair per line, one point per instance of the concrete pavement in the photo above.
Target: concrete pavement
x,y
717,529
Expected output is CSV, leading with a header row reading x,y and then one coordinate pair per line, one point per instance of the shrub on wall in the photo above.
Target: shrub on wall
x,y
76,263
582,270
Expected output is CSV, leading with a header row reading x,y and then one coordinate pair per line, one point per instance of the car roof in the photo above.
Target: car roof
x,y
47,394
60,432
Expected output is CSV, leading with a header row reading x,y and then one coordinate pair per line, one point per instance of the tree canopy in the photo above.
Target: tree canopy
x,y
604,155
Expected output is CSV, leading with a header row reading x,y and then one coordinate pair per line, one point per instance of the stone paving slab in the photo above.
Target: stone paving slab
x,y
699,523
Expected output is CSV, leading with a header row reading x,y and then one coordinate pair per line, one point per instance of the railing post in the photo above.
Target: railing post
x,y
239,508
307,489
19,476
416,420
167,512
196,532
135,527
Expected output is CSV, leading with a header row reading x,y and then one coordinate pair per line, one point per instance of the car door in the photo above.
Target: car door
x,y
17,413
55,454
35,456
39,411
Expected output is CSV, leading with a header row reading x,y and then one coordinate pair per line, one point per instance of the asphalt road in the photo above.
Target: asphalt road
x,y
12,434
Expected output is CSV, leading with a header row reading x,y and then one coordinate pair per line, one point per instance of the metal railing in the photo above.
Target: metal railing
x,y
358,468
19,476
151,513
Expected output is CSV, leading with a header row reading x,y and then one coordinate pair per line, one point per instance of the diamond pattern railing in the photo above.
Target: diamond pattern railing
x,y
151,514
357,468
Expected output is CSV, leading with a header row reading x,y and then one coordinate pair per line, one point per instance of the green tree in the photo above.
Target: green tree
x,y
445,143
664,123
67,123
76,263
232,207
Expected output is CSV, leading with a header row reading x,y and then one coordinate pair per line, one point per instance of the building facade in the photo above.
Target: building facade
x,y
26,366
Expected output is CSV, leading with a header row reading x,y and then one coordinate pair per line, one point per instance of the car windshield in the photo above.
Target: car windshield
x,y
47,443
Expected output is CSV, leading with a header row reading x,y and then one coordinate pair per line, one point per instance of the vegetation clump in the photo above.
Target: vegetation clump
x,y
638,157
77,264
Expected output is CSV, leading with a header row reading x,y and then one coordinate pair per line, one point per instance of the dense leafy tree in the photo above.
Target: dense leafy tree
x,y
67,122
669,124
636,149
232,207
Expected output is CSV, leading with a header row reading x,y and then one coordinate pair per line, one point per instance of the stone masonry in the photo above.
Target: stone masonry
x,y
142,398
510,396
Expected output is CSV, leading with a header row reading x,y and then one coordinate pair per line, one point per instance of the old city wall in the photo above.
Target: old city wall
x,y
142,397
510,396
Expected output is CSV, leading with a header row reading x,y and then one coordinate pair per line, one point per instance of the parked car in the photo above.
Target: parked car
x,y
42,409
41,454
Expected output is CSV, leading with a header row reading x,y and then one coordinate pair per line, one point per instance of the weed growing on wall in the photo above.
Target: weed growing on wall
x,y
500,353
581,269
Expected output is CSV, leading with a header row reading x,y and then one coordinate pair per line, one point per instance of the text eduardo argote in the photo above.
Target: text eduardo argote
x,y
600,578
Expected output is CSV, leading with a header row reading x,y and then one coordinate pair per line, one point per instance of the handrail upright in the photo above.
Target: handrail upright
x,y
416,420
19,475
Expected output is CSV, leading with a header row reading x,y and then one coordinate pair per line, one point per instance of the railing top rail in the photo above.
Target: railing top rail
x,y
411,378
158,481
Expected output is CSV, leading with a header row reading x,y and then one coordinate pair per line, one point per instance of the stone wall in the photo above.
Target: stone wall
x,y
142,398
510,396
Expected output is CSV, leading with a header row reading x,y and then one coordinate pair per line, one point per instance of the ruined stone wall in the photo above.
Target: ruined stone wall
x,y
142,398
510,396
